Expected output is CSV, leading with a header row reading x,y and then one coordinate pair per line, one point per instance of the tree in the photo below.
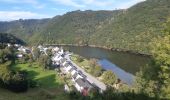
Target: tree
x,y
96,70
161,54
92,62
18,82
154,79
7,54
36,53
80,59
45,61
109,77
5,73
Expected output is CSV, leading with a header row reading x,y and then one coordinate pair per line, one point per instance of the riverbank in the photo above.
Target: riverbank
x,y
92,67
104,47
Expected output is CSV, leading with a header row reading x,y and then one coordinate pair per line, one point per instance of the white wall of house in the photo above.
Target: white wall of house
x,y
73,72
19,55
61,52
78,76
68,68
55,49
64,63
57,58
79,88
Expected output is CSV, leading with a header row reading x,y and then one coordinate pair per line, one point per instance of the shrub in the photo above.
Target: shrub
x,y
80,59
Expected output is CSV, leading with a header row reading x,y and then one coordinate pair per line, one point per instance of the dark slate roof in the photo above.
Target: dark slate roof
x,y
83,83
70,64
74,75
63,60
66,65
71,69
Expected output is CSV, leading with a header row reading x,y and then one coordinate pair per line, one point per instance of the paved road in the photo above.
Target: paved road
x,y
91,78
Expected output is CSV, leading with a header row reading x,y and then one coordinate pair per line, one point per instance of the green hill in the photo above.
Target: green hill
x,y
9,38
73,27
23,28
135,28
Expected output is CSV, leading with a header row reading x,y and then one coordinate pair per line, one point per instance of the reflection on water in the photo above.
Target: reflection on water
x,y
121,74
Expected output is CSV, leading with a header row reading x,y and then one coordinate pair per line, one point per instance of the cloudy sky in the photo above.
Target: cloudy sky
x,y
26,9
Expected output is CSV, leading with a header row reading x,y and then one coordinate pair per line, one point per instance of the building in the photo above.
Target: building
x,y
24,49
55,49
19,55
82,84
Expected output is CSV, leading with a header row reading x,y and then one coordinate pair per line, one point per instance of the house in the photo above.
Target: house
x,y
40,47
63,61
19,55
82,84
76,76
65,67
57,58
66,88
61,51
73,71
55,49
16,45
9,45
43,49
24,49
68,68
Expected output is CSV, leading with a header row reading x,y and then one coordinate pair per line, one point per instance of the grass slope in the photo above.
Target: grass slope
x,y
45,78
50,85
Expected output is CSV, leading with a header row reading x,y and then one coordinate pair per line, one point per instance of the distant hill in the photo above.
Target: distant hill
x,y
9,38
129,29
23,28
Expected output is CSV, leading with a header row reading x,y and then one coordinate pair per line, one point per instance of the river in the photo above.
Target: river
x,y
123,64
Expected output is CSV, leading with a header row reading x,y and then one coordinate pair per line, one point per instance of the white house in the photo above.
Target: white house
x,y
73,72
23,49
64,61
8,44
57,58
40,47
68,68
61,51
19,55
16,45
82,84
55,49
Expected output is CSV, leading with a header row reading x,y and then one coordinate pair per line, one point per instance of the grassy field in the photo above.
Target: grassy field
x,y
45,78
50,85
84,64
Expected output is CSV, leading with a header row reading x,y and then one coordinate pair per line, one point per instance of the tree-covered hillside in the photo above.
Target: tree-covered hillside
x,y
9,38
135,28
74,27
23,28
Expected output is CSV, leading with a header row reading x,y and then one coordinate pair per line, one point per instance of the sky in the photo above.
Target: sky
x,y
37,9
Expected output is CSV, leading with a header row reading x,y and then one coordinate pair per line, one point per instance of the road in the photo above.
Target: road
x,y
89,77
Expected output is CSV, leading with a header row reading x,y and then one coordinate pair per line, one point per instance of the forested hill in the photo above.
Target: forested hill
x,y
74,27
9,38
135,28
23,28
130,29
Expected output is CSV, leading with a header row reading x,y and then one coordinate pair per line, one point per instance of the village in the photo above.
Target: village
x,y
82,81
63,65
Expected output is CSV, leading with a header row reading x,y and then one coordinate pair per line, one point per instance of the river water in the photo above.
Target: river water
x,y
124,65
